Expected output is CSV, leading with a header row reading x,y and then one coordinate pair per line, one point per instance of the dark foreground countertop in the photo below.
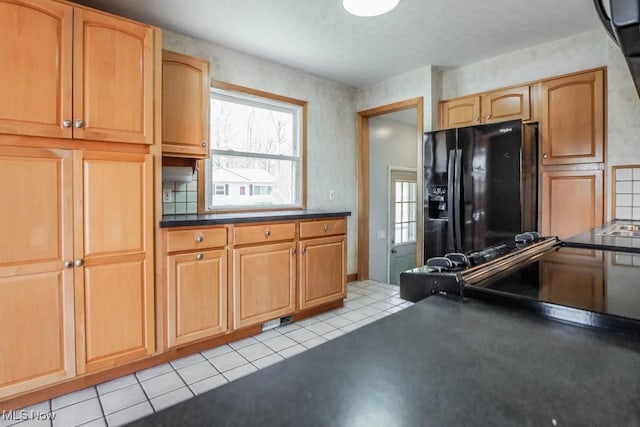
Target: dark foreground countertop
x,y
440,362
593,239
230,218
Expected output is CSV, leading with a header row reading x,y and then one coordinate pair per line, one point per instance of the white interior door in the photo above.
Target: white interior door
x,y
403,205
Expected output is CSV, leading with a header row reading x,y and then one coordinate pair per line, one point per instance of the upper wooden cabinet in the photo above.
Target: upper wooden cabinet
x,y
185,105
112,78
460,112
572,121
495,106
69,72
506,104
35,67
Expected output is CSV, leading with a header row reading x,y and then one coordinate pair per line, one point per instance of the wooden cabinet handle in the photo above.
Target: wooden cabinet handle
x,y
199,238
325,227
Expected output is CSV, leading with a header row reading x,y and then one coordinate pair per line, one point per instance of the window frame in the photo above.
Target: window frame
x,y
261,97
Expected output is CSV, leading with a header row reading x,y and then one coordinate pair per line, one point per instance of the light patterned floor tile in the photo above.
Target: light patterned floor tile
x,y
162,384
292,351
171,398
75,397
267,361
194,373
79,413
228,361
255,351
217,351
279,343
123,398
130,414
208,384
241,371
301,335
154,372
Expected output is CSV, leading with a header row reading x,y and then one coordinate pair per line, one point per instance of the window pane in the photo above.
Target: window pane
x,y
250,128
398,236
398,217
405,191
413,189
405,233
412,211
266,181
412,232
405,212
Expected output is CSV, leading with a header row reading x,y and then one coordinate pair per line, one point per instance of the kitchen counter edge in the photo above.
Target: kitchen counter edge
x,y
593,239
188,220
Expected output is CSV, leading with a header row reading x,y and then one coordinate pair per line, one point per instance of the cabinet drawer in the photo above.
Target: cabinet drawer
x,y
264,233
323,228
185,240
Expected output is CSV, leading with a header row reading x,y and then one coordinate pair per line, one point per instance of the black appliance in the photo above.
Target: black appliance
x,y
480,186
621,19
590,286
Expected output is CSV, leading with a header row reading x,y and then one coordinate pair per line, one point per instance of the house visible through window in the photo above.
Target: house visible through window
x,y
257,150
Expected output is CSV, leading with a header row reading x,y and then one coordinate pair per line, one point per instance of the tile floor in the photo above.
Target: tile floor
x,y
131,397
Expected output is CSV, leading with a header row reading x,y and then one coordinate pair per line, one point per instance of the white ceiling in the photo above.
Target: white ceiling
x,y
319,37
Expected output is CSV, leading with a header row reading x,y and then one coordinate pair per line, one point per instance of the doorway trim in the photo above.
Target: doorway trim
x,y
362,140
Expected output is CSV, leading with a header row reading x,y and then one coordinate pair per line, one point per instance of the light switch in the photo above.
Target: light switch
x,y
167,195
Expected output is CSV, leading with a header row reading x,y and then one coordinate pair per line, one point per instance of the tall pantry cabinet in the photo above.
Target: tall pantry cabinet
x,y
76,219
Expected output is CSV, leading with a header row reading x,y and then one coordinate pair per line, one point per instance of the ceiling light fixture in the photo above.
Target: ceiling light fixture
x,y
369,7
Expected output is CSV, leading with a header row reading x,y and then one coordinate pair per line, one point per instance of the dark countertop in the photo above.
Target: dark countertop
x,y
231,218
441,362
592,239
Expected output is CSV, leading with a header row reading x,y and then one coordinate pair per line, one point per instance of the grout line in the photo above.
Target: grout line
x,y
145,393
95,388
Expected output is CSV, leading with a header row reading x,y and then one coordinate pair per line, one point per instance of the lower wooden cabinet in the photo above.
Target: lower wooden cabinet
x,y
196,296
572,202
263,283
322,272
36,290
113,246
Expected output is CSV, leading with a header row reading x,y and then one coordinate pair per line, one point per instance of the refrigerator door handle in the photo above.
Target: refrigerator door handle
x,y
450,197
457,195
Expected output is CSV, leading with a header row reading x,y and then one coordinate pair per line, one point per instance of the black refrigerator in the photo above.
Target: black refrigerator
x,y
480,186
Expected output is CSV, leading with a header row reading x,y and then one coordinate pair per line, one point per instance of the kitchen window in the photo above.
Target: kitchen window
x,y
257,153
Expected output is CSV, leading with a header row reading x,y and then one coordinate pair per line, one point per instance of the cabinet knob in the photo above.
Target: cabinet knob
x,y
79,123
68,264
66,123
489,117
325,227
204,143
293,251
478,119
199,257
267,233
544,155
199,238
304,250
79,262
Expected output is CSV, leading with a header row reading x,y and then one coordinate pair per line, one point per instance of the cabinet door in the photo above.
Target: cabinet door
x,y
263,283
507,104
36,290
322,273
460,112
185,105
113,239
572,125
35,67
196,296
576,285
572,202
113,79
